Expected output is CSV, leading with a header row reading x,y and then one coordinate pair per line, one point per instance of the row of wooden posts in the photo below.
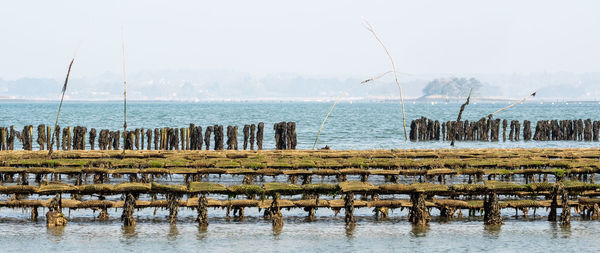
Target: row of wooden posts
x,y
190,138
485,129
419,213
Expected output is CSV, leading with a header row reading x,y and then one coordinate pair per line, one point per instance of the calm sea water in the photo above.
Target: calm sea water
x,y
351,126
358,125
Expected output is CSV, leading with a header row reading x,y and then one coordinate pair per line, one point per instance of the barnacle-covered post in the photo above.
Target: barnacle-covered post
x,y
491,210
198,137
246,132
419,214
209,130
275,210
54,216
137,139
554,203
230,138
252,136
173,206
202,211
349,208
565,216
504,125
259,135
41,137
235,139
92,139
149,139
128,208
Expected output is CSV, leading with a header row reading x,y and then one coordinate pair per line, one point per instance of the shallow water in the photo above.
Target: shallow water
x,y
327,233
351,126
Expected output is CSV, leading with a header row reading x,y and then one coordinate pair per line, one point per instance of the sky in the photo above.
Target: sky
x,y
312,38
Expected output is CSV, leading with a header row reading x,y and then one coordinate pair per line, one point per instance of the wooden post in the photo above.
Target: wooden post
x,y
142,135
128,208
11,138
349,208
2,138
275,210
207,134
41,137
163,139
412,133
136,139
291,133
54,216
252,136
218,129
504,125
235,139
187,138
182,136
259,135
69,138
230,138
491,210
246,132
149,139
565,216
554,203
176,135
173,206
92,138
157,144
48,137
202,211
419,215
84,131
198,138
280,135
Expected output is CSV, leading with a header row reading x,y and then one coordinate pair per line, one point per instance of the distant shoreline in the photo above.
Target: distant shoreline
x,y
419,100
411,101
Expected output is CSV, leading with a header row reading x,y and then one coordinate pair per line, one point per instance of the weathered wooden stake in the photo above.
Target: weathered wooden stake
x,y
349,208
128,208
259,135
202,211
419,214
491,210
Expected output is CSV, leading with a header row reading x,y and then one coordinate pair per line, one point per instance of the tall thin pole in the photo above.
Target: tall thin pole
x,y
338,100
64,89
462,108
372,30
511,105
124,88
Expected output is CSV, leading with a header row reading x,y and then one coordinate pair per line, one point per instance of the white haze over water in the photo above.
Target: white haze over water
x,y
308,50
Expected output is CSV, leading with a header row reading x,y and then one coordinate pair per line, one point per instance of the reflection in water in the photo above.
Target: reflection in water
x,y
419,231
559,230
129,232
277,230
202,232
493,231
56,232
350,230
173,232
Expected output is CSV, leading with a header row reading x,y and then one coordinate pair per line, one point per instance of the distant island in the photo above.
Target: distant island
x,y
451,88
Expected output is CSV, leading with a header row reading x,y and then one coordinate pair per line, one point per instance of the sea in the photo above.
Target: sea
x,y
357,125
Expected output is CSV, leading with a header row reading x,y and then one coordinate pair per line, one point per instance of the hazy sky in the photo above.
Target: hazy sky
x,y
321,38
